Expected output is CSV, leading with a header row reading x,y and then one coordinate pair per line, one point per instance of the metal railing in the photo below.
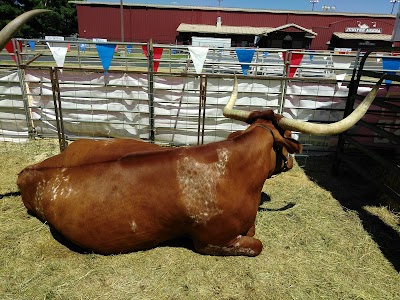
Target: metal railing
x,y
175,95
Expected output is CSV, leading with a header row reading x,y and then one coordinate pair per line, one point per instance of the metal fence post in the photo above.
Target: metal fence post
x,y
57,108
286,67
202,108
150,78
23,85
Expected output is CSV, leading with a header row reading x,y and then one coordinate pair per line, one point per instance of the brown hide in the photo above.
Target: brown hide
x,y
83,152
120,196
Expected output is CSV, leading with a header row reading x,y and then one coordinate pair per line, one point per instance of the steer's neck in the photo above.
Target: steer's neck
x,y
254,154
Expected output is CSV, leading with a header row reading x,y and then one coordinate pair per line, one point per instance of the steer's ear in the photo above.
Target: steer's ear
x,y
291,145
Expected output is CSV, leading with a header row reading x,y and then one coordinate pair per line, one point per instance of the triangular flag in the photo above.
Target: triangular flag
x,y
340,78
157,53
59,52
32,44
10,49
379,57
245,56
106,54
341,63
390,63
198,55
295,61
82,47
129,49
311,55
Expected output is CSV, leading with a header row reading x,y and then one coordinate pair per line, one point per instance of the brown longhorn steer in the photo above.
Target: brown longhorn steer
x,y
120,195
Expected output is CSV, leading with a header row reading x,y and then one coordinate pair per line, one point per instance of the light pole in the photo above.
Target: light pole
x,y
121,7
219,2
313,3
394,3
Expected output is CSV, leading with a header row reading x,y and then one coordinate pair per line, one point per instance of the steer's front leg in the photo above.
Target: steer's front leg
x,y
252,231
241,245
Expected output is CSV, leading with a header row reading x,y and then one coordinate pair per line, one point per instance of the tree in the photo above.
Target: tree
x,y
62,20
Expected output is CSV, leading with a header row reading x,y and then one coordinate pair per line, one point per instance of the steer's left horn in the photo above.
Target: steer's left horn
x,y
12,28
307,127
337,127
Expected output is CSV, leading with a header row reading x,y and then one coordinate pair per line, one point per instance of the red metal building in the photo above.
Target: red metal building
x,y
316,30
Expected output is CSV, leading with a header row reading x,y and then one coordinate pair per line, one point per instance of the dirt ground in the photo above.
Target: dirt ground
x,y
324,237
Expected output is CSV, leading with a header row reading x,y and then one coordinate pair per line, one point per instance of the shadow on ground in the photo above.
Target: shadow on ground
x,y
353,192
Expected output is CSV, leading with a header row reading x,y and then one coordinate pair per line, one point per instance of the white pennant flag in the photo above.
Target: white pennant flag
x,y
59,52
343,63
198,55
340,78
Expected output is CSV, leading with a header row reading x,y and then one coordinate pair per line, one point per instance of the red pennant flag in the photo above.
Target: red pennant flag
x,y
157,52
295,61
10,48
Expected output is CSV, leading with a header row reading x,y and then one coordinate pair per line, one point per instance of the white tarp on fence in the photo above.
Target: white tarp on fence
x,y
118,105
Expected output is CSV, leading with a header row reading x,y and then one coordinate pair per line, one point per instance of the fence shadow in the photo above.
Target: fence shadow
x,y
353,192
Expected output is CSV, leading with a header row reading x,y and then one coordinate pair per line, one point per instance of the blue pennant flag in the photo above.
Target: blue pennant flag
x,y
245,56
311,55
389,63
82,47
32,44
129,49
106,53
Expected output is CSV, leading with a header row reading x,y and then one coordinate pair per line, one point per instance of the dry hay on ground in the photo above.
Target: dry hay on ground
x,y
314,248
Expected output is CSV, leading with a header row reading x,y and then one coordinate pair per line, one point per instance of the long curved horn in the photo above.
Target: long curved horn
x,y
231,113
12,28
337,127
307,127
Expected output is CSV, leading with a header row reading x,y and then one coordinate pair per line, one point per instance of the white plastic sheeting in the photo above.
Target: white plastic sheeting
x,y
13,122
118,106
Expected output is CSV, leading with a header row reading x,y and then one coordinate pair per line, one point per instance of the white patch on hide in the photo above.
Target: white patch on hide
x,y
231,250
133,226
198,184
39,198
60,186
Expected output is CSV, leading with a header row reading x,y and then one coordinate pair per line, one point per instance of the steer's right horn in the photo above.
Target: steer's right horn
x,y
12,28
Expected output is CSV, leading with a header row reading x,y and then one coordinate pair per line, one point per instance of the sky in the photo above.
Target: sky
x,y
355,6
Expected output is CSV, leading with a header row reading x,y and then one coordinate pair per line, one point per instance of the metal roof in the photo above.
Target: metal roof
x,y
363,36
233,9
287,26
244,30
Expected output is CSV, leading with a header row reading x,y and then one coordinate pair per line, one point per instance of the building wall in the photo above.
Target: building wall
x,y
142,23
